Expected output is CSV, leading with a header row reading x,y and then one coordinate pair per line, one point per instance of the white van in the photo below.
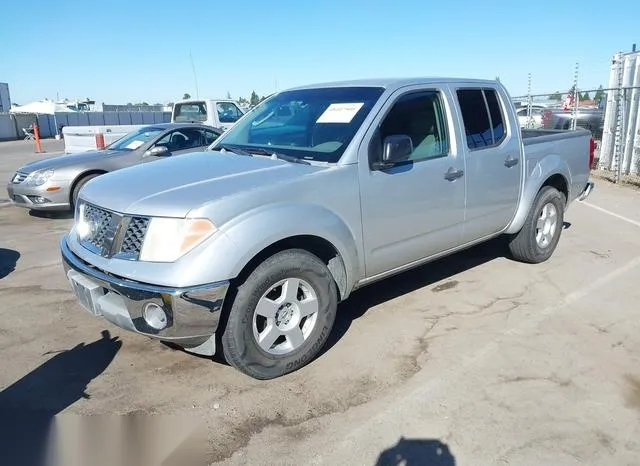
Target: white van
x,y
219,113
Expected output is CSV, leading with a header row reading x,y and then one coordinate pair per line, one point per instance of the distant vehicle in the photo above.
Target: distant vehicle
x,y
591,119
54,183
536,117
218,113
318,191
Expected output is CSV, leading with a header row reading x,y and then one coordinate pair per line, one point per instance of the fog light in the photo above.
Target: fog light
x,y
155,316
38,199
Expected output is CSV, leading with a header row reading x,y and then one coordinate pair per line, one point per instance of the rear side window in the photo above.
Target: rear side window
x,y
495,113
482,116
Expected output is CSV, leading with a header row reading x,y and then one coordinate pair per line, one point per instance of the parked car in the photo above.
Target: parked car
x,y
536,117
253,248
54,183
591,119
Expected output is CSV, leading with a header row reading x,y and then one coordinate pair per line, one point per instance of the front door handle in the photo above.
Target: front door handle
x,y
510,162
452,174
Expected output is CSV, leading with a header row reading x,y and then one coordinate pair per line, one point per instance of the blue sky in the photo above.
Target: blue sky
x,y
138,50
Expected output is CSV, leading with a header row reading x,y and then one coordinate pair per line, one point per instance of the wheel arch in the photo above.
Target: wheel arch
x,y
80,177
316,245
550,171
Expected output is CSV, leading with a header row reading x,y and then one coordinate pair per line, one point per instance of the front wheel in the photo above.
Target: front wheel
x,y
539,236
281,315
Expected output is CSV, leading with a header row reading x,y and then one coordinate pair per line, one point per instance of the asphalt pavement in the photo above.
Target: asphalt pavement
x,y
471,360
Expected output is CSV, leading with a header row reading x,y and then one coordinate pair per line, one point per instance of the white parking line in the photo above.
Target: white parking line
x,y
613,214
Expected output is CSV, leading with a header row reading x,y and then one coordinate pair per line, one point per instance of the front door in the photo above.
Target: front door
x,y
228,114
494,164
416,208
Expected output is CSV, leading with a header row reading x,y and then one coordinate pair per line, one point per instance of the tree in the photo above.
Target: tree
x,y
585,96
186,96
243,101
556,96
254,100
228,95
599,95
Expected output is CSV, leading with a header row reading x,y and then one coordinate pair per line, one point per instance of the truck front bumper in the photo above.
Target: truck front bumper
x,y
187,317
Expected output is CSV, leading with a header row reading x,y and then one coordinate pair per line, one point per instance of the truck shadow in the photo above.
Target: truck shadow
x,y
424,452
28,407
370,296
8,260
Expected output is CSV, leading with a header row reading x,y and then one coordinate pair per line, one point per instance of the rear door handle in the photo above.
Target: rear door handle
x,y
510,162
452,174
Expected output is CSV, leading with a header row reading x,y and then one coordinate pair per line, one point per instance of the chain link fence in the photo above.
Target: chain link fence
x,y
611,114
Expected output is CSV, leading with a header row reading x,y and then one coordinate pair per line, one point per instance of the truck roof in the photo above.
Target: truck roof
x,y
389,83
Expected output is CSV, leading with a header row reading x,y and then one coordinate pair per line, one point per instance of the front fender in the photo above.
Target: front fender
x,y
259,228
536,176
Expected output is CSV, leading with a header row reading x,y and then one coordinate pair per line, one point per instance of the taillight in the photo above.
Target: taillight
x,y
592,152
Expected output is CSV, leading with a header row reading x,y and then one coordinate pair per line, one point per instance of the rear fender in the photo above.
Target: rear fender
x,y
537,175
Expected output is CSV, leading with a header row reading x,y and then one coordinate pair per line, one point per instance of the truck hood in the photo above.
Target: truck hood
x,y
174,186
62,161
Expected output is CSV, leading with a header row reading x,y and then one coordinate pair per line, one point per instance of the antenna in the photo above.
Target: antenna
x,y
195,76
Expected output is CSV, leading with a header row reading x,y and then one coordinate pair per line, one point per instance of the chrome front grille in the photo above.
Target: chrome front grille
x,y
102,221
19,177
134,236
110,234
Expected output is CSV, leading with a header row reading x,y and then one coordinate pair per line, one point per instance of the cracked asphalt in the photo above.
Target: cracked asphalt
x,y
477,359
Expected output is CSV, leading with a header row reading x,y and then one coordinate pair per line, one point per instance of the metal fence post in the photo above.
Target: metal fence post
x,y
576,100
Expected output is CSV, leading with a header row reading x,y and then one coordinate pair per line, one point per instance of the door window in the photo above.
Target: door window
x,y
184,139
482,116
421,117
228,112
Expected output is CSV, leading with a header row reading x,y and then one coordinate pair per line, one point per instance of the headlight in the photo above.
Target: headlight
x,y
168,239
39,178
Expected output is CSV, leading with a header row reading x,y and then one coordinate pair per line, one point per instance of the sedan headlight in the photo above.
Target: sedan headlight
x,y
168,239
39,178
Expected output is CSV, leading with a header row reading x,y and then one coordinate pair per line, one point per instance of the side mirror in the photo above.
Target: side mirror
x,y
158,151
396,148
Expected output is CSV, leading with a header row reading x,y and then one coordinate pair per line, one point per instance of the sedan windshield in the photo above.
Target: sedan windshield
x,y
309,124
135,139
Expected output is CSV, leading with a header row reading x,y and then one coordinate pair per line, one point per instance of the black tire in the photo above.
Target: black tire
x,y
78,187
240,347
523,245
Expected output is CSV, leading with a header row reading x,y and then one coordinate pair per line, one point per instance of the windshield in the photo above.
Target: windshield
x,y
309,124
134,139
190,111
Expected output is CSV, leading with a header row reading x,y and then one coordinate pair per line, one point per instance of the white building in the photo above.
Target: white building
x,y
5,98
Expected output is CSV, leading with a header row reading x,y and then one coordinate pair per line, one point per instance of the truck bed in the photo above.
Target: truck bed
x,y
566,147
538,136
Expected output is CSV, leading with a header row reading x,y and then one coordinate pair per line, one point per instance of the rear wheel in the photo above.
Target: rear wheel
x,y
539,236
281,315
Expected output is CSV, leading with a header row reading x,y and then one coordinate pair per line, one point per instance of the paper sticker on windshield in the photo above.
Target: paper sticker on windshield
x,y
340,113
134,145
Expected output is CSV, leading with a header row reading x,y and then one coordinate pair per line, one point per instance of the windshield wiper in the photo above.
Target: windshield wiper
x,y
234,149
277,155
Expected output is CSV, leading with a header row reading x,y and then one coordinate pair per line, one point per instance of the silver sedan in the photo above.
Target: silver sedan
x,y
53,184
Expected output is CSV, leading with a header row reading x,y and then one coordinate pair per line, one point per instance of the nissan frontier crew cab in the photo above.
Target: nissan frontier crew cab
x,y
320,190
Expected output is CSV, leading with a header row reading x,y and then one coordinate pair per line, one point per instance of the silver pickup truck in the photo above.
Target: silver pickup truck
x,y
316,192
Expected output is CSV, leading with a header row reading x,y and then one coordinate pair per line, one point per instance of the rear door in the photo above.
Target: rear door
x,y
493,159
